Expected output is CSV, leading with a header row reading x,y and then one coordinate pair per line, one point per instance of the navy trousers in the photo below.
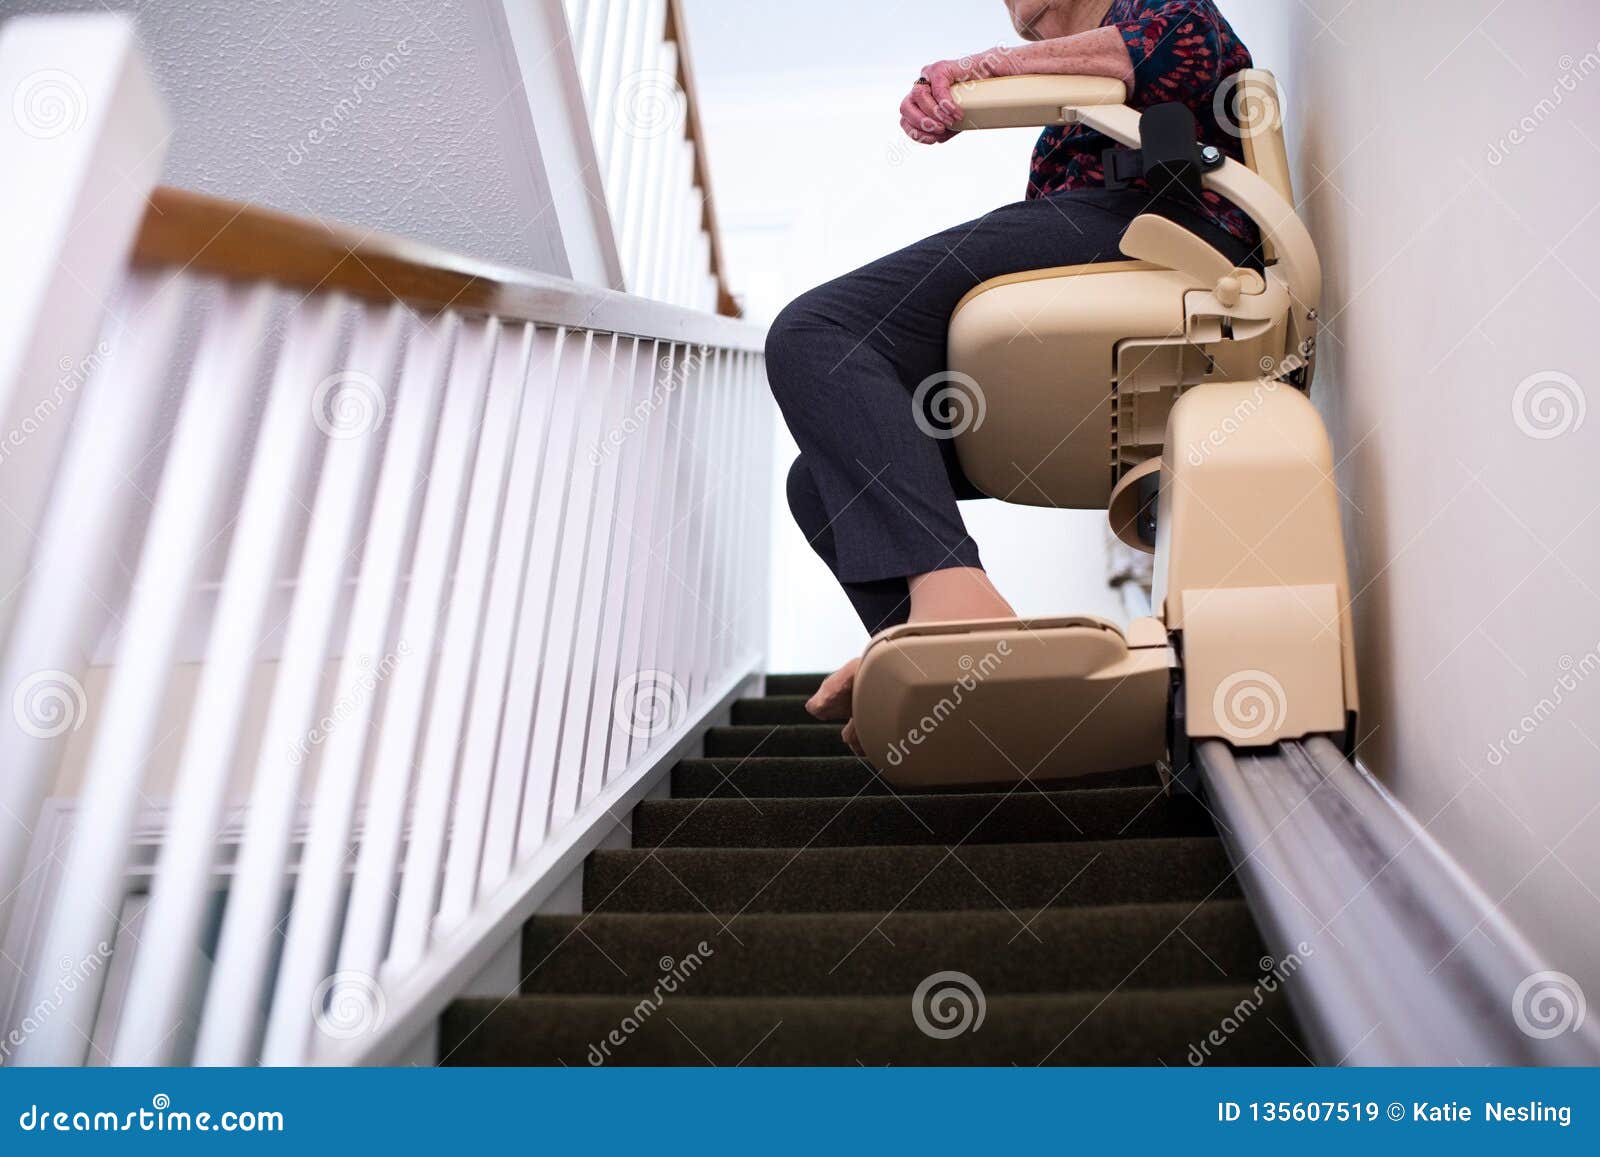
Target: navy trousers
x,y
875,488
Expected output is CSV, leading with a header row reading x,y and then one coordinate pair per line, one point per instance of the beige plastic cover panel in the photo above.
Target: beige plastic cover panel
x,y
1041,350
1254,105
1262,663
1005,102
994,701
1248,505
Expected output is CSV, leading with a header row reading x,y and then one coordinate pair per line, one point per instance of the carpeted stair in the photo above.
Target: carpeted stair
x,y
785,905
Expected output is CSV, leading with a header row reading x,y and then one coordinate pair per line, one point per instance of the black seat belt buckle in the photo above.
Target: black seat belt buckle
x,y
1122,166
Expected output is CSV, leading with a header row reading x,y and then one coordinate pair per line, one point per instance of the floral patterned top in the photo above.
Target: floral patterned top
x,y
1181,50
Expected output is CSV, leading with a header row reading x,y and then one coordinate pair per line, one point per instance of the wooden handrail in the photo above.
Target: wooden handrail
x,y
240,241
677,31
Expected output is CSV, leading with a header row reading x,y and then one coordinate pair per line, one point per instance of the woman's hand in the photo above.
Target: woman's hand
x,y
921,119
930,113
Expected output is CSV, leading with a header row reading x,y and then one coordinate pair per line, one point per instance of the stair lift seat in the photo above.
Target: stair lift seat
x,y
1168,390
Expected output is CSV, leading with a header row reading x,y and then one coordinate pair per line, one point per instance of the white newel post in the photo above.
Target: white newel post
x,y
82,138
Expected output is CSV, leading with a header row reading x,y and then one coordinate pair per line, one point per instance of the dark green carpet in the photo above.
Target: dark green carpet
x,y
785,905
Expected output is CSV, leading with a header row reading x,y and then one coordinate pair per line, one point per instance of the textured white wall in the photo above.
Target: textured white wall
x,y
1461,284
398,117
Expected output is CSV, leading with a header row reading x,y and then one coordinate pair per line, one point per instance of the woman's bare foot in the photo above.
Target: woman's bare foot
x,y
832,699
941,596
850,738
962,592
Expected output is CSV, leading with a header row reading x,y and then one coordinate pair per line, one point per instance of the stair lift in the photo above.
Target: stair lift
x,y
1169,390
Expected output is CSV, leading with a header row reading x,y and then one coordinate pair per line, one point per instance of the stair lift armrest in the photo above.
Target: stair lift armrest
x,y
1297,262
1009,102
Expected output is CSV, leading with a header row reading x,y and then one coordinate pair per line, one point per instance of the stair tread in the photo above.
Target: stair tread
x,y
776,739
1020,814
763,776
1125,1027
1099,916
866,953
773,709
907,877
804,683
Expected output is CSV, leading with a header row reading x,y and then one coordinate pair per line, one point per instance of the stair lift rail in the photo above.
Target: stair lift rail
x,y
1399,958
365,588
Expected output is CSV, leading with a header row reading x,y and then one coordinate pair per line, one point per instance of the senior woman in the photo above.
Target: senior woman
x,y
874,490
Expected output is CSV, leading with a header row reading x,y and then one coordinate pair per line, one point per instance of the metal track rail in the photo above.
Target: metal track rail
x,y
1398,958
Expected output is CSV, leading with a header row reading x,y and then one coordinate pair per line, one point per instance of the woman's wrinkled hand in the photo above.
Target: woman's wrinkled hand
x,y
930,113
920,117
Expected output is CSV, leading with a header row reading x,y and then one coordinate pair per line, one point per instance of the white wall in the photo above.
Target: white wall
x,y
812,178
1448,153
407,119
